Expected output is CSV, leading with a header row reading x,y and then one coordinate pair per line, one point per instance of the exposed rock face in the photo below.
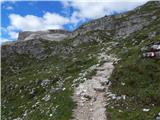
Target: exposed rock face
x,y
123,24
36,48
52,35
32,48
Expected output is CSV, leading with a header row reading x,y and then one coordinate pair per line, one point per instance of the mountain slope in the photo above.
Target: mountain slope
x,y
38,75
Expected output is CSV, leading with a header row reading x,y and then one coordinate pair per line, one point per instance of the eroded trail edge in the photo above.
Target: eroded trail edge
x,y
90,95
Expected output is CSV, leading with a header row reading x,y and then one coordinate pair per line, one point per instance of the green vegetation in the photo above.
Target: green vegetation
x,y
42,89
136,77
22,89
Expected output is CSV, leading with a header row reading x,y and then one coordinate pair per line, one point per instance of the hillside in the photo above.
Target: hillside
x,y
39,75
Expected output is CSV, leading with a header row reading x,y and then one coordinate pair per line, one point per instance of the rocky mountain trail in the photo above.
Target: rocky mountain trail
x,y
90,95
45,72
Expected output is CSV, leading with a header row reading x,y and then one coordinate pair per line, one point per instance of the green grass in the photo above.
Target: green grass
x,y
141,77
132,114
28,74
22,73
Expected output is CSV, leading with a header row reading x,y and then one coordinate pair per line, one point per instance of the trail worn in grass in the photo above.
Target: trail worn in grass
x,y
90,95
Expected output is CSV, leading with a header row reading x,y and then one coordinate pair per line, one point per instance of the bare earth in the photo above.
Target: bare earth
x,y
90,95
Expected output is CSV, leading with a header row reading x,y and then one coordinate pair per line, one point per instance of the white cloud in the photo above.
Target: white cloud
x,y
35,23
1,0
54,19
11,1
91,9
9,8
3,40
13,35
82,10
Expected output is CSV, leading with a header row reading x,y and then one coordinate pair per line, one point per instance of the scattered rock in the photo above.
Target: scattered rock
x,y
100,89
46,98
124,97
45,82
146,110
55,90
18,118
63,89
87,96
151,51
104,81
120,111
93,90
123,84
158,118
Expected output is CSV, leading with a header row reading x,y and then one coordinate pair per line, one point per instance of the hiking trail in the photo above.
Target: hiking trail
x,y
90,95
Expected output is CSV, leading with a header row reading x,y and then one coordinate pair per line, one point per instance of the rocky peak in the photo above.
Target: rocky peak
x,y
53,35
124,24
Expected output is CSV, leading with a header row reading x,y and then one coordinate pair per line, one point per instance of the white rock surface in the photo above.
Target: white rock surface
x,y
52,35
146,110
46,98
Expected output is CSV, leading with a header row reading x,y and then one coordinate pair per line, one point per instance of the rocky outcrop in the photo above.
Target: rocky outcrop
x,y
123,24
152,50
36,48
52,35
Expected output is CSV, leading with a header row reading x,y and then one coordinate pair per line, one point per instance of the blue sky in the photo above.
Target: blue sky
x,y
42,15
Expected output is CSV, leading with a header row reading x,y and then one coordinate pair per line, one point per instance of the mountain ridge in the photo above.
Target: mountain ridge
x,y
39,76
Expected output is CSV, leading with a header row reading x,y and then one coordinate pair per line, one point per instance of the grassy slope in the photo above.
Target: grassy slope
x,y
141,77
29,75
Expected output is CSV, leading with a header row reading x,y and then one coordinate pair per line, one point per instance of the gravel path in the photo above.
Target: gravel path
x,y
90,95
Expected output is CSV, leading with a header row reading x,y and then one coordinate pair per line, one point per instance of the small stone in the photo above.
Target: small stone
x,y
51,115
87,96
112,107
123,84
94,99
104,82
124,97
25,113
82,104
158,118
63,89
113,97
82,98
145,110
100,89
46,98
18,118
118,98
91,104
45,82
154,17
55,90
32,91
120,111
